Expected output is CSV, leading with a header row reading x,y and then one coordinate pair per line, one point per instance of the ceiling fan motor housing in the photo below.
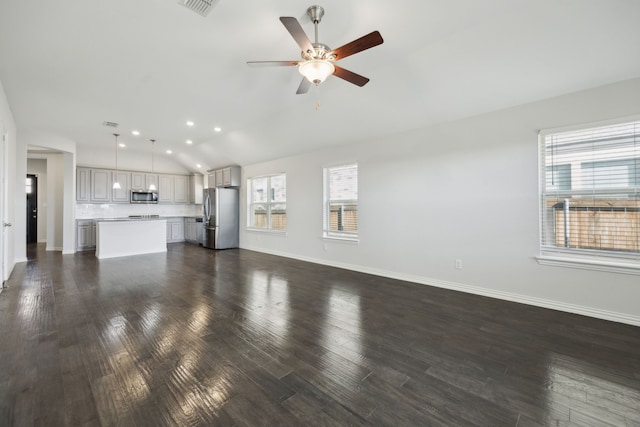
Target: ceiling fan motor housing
x,y
321,51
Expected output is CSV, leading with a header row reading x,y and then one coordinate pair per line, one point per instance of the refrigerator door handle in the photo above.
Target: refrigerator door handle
x,y
207,208
204,208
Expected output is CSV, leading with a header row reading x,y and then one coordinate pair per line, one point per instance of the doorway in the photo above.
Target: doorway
x,y
32,208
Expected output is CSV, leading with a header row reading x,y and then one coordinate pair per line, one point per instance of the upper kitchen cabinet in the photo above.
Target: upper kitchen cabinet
x,y
151,178
231,176
83,184
138,181
195,189
121,195
225,177
95,185
180,189
100,186
165,188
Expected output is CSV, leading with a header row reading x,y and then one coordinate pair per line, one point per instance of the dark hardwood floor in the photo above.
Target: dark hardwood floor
x,y
239,338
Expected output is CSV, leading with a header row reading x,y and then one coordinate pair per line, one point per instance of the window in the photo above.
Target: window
x,y
341,202
268,202
590,193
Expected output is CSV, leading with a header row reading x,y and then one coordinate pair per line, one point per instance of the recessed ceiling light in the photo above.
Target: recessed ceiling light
x,y
122,145
198,165
188,141
169,151
217,129
135,132
190,123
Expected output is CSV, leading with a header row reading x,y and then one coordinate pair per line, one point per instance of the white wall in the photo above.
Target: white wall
x,y
13,212
61,186
129,158
55,202
463,190
38,167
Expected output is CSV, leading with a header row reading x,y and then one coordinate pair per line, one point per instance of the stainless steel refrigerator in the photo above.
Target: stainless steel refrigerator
x,y
221,219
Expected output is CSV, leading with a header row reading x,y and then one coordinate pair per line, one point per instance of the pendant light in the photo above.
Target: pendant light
x,y
116,184
152,186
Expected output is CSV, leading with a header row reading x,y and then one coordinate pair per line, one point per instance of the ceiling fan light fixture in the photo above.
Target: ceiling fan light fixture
x,y
316,70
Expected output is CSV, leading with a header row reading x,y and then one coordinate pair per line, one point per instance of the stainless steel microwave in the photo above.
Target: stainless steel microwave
x,y
143,196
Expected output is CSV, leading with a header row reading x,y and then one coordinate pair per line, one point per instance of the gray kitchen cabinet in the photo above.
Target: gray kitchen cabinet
x,y
225,177
83,184
165,188
151,178
85,234
100,186
180,189
193,230
231,176
195,189
175,230
138,181
95,185
121,195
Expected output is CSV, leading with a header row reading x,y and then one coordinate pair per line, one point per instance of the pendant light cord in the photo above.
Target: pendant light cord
x,y
116,135
153,143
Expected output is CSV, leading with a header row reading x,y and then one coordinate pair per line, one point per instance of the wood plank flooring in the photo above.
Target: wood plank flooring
x,y
238,338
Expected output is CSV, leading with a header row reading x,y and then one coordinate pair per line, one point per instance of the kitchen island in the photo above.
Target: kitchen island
x,y
124,237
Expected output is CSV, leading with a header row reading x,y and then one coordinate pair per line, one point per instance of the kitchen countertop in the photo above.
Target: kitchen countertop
x,y
139,218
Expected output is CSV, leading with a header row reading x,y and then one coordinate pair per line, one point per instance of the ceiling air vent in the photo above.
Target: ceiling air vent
x,y
110,124
201,7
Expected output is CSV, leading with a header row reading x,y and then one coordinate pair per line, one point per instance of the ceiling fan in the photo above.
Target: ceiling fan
x,y
318,60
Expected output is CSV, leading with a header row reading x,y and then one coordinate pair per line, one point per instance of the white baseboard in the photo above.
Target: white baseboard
x,y
54,248
507,296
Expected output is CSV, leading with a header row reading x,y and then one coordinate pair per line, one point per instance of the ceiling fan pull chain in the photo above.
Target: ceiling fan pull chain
x,y
317,97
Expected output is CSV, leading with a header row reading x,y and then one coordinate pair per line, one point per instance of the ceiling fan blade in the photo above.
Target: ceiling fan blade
x,y
350,76
272,63
363,43
304,86
295,29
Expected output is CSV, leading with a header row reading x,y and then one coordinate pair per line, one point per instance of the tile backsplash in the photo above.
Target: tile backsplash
x,y
121,210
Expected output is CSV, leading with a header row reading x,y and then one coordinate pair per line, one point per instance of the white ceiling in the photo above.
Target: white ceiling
x,y
150,65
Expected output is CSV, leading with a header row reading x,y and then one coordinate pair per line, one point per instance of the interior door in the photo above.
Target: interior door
x,y
32,208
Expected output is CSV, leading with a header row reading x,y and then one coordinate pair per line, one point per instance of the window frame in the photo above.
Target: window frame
x,y
590,259
269,204
327,233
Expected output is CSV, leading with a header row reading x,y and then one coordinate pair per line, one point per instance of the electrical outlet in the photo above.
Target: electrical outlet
x,y
458,264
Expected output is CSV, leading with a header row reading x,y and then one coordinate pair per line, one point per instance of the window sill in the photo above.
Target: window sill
x,y
597,264
267,231
348,240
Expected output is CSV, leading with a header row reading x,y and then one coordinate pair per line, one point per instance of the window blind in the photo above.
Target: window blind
x,y
590,191
341,201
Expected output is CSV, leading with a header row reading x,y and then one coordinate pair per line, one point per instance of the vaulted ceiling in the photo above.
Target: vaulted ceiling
x,y
67,66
